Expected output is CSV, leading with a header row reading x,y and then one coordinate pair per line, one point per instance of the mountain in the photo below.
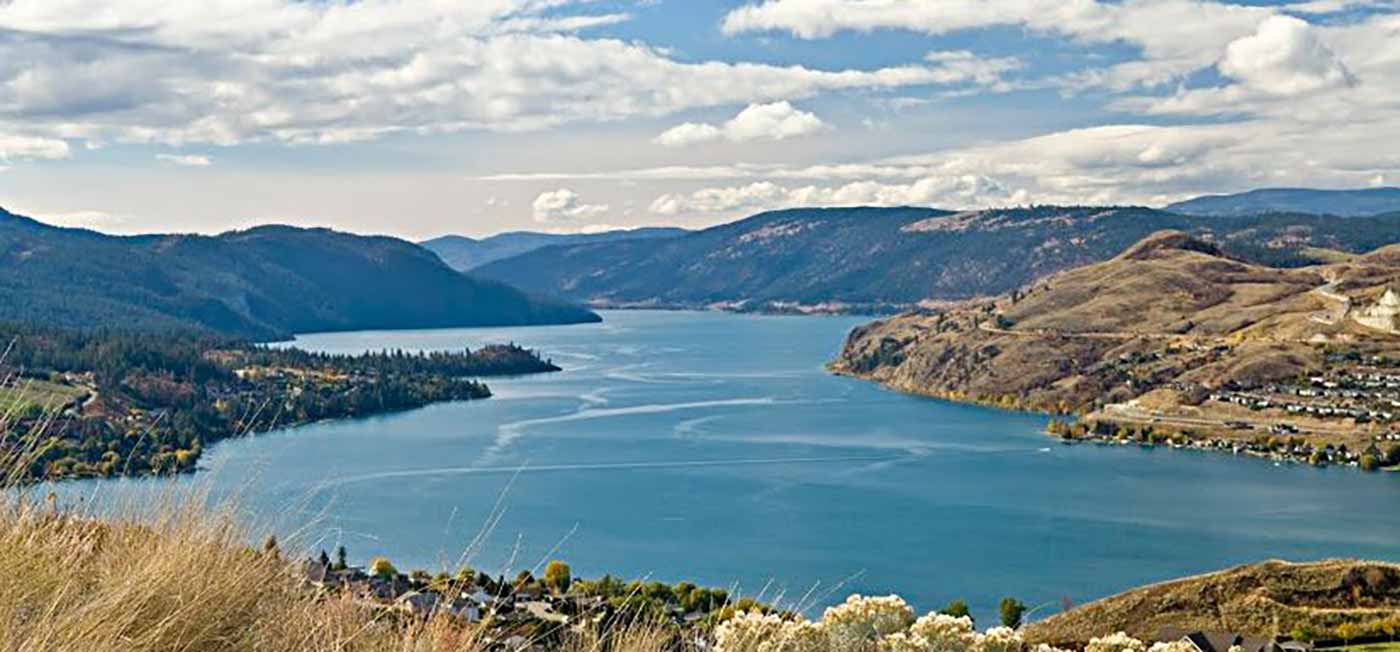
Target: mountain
x,y
465,254
878,258
1346,203
264,282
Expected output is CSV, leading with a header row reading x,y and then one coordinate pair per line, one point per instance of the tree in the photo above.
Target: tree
x,y
557,576
324,560
957,609
1012,611
382,568
1369,463
270,547
340,558
1346,632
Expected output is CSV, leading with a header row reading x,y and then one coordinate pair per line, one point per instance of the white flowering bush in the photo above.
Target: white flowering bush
x,y
1119,642
749,631
1179,646
799,636
861,621
887,624
1001,639
944,633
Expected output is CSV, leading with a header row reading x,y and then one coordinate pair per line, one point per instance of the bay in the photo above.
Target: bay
x,y
715,448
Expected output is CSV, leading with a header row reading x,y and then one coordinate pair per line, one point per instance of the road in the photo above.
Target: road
x,y
1134,413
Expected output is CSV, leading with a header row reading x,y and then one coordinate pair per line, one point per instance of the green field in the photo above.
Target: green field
x,y
41,393
1372,647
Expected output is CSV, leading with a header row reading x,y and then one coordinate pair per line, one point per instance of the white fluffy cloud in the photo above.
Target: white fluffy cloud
x,y
775,121
232,71
564,205
186,160
1284,57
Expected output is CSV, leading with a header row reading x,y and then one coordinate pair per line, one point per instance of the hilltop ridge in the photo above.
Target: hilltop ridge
x,y
264,282
465,254
1343,203
888,259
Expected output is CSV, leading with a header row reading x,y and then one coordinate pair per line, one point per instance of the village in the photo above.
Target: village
x,y
524,612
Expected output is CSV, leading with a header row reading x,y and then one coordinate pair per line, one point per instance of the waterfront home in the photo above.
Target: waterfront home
x,y
1219,641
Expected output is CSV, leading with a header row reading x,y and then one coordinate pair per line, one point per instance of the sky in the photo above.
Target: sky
x,y
418,118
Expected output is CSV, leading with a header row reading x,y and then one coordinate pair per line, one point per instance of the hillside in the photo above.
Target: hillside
x,y
465,254
1257,599
264,282
884,258
1345,203
1172,332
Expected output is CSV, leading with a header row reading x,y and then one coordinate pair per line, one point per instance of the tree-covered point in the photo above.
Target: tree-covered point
x,y
110,402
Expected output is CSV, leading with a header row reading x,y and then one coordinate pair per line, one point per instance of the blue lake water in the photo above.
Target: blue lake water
x,y
715,448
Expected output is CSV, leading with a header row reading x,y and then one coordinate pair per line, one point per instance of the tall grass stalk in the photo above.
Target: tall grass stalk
x,y
176,574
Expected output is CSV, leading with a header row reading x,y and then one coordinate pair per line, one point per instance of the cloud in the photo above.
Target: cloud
x,y
773,122
1335,6
337,72
1175,36
186,160
564,205
14,148
956,66
962,191
690,133
1284,57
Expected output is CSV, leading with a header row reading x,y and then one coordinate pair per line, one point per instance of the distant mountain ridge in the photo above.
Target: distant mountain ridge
x,y
465,254
1345,203
879,259
265,282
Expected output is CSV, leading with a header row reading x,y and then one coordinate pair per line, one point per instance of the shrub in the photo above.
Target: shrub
x,y
1012,611
558,576
382,568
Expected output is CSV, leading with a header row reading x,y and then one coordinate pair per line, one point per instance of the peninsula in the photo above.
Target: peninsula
x,y
1172,342
103,403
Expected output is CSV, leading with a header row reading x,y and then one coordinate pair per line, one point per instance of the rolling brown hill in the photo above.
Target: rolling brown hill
x,y
1171,311
1265,599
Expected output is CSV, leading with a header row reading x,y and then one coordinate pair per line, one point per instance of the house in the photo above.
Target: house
x,y
1218,641
418,604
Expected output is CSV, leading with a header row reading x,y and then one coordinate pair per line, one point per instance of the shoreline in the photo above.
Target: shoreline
x,y
1174,440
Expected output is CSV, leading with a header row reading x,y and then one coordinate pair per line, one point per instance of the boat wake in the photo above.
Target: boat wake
x,y
602,466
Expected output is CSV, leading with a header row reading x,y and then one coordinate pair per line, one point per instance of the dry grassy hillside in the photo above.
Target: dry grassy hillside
x,y
1266,599
1169,319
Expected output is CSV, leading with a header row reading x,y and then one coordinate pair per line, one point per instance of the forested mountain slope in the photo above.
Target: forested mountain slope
x,y
890,257
465,254
263,282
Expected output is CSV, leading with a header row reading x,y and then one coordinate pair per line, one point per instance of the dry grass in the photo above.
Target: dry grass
x,y
177,575
1263,599
184,581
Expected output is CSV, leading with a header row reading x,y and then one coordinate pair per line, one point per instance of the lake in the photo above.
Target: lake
x,y
715,448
